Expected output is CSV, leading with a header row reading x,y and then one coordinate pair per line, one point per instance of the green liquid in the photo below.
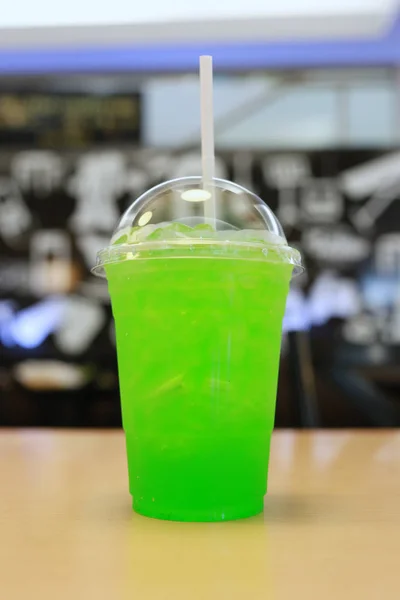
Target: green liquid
x,y
198,343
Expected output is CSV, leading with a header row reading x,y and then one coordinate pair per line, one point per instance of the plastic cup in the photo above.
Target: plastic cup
x,y
198,308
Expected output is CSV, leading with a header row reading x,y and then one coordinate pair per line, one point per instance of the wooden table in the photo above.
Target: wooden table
x,y
331,528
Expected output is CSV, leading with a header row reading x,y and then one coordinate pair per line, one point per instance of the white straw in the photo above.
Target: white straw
x,y
207,132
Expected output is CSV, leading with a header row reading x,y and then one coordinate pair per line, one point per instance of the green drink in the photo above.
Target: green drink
x,y
198,315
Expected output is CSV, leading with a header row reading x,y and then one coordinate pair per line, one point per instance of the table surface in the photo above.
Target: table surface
x,y
331,527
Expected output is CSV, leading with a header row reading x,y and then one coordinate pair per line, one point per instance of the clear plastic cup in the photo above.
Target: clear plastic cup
x,y
198,305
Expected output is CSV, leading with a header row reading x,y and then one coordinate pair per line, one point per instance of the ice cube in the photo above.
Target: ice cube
x,y
203,231
133,234
141,234
179,229
170,231
273,238
204,227
157,234
123,239
121,236
261,236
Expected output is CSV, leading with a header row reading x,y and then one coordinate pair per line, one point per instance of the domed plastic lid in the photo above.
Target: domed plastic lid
x,y
182,218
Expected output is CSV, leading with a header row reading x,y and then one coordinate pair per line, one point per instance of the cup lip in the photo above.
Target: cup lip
x,y
130,252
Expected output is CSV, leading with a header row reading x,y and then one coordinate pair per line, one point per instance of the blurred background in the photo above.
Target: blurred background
x,y
97,104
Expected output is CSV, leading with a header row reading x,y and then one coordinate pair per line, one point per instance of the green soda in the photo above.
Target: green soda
x,y
198,330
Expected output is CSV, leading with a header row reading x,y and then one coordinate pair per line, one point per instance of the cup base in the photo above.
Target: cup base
x,y
244,510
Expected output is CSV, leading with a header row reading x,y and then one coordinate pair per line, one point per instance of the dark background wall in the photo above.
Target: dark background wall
x,y
74,165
